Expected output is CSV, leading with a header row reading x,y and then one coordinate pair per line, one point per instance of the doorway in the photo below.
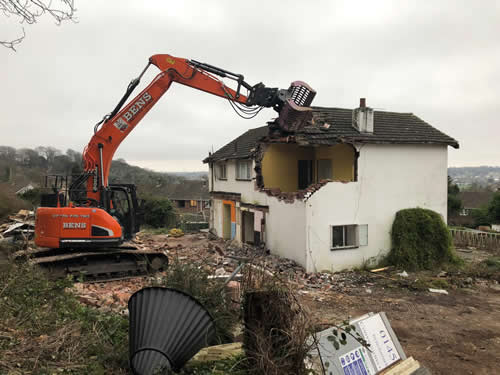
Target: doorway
x,y
226,221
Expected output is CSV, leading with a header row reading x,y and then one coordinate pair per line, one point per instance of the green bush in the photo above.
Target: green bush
x,y
420,240
158,212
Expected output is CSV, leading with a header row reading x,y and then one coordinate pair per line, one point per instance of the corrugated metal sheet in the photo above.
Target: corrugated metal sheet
x,y
167,328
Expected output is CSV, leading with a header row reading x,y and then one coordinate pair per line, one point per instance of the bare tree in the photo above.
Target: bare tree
x,y
28,12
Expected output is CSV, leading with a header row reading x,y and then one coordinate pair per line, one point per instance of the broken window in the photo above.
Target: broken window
x,y
243,169
305,173
348,236
221,171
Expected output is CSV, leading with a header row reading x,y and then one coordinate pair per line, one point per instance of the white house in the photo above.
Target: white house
x,y
326,196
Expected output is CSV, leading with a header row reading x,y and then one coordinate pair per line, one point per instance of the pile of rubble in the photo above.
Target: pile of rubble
x,y
18,226
221,258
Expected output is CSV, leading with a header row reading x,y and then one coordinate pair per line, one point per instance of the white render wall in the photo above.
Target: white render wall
x,y
390,178
244,187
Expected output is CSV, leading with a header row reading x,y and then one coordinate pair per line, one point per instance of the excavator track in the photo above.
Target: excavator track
x,y
112,263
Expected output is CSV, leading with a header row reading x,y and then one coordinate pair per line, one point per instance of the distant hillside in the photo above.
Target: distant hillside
x,y
191,175
482,176
20,167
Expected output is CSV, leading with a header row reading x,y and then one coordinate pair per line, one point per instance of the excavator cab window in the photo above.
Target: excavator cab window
x,y
124,206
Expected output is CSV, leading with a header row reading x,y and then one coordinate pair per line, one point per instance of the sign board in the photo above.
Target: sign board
x,y
353,358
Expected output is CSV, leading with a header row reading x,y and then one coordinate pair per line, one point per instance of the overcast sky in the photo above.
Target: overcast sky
x,y
437,59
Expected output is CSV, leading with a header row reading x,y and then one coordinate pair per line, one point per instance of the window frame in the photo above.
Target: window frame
x,y
248,163
221,166
357,240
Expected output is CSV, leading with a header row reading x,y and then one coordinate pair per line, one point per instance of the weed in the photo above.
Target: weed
x,y
487,269
49,331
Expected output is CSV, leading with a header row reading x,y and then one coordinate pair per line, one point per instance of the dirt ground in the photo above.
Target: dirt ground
x,y
458,333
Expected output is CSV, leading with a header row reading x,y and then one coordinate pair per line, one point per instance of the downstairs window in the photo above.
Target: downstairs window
x,y
348,236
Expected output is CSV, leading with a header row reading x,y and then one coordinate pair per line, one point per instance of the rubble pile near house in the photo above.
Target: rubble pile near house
x,y
220,258
20,225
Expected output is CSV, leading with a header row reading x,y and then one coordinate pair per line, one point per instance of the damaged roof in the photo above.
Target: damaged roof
x,y
242,147
334,125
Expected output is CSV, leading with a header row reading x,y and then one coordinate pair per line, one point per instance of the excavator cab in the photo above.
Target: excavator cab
x,y
125,209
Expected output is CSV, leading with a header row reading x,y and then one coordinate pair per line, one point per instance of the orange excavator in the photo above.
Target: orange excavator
x,y
87,218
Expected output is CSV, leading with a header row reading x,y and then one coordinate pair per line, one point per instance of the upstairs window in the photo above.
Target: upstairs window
x,y
244,169
325,169
221,171
305,173
348,236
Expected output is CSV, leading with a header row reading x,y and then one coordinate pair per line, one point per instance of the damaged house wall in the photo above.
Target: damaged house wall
x,y
391,178
280,164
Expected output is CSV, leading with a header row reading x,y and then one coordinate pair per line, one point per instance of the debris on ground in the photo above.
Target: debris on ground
x,y
403,274
439,291
20,225
333,296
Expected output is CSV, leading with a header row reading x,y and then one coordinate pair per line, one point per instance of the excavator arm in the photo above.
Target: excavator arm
x,y
117,126
94,216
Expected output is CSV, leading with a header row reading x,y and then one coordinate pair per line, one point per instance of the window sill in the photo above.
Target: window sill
x,y
221,179
344,248
243,179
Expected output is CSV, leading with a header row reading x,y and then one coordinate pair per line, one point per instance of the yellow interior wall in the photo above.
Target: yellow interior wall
x,y
343,159
280,163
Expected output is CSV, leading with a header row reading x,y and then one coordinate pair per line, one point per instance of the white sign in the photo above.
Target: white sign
x,y
383,350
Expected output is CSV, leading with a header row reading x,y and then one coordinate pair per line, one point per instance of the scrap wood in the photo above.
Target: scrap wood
x,y
404,367
217,353
380,269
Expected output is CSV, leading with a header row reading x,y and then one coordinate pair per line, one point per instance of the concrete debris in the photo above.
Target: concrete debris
x,y
440,291
403,274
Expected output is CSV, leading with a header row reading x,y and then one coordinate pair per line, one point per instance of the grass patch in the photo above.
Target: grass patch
x,y
231,366
420,240
44,330
487,269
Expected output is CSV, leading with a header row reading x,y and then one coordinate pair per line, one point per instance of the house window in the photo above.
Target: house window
x,y
348,236
324,169
243,169
305,173
221,171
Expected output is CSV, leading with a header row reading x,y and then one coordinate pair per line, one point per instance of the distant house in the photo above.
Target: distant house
x,y
326,195
191,197
471,201
25,189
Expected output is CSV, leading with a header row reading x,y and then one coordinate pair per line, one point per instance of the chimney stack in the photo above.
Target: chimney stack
x,y
362,117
